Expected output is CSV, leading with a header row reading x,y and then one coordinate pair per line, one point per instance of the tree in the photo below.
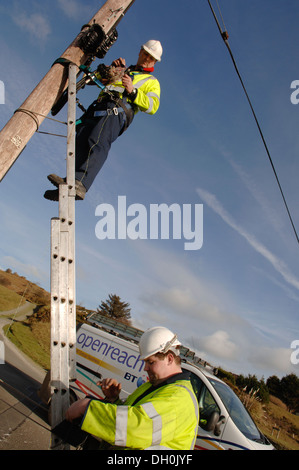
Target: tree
x,y
287,389
116,309
273,384
253,384
290,391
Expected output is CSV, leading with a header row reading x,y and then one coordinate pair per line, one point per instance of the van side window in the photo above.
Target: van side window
x,y
207,406
197,384
206,402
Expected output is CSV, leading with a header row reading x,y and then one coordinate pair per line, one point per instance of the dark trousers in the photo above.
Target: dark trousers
x,y
93,141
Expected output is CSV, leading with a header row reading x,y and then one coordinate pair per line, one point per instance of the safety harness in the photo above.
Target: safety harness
x,y
120,104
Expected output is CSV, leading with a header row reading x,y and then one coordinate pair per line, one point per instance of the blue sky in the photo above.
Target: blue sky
x,y
236,300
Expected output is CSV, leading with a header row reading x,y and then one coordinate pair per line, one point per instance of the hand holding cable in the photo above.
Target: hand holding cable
x,y
111,389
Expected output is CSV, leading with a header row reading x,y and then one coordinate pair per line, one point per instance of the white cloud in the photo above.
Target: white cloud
x,y
75,9
275,359
257,193
35,24
278,264
182,289
219,344
182,301
30,271
178,299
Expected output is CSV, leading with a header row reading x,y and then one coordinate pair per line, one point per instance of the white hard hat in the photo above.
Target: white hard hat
x,y
158,339
154,48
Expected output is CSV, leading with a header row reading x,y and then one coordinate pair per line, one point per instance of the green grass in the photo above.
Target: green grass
x,y
33,345
9,300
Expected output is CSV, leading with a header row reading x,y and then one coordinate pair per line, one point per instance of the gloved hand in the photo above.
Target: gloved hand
x,y
111,73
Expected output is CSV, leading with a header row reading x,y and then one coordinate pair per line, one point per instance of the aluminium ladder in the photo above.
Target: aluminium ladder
x,y
63,292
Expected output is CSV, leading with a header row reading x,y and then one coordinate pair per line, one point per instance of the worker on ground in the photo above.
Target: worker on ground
x,y
160,414
110,115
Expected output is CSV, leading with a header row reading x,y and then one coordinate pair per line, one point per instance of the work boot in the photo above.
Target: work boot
x,y
80,190
53,194
56,180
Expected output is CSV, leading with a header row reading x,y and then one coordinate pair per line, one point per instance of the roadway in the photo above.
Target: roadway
x,y
23,417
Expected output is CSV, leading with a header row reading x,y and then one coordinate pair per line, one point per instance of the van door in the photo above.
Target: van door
x,y
212,417
87,378
102,355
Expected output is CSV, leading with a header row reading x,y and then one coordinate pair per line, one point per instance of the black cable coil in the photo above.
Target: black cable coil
x,y
95,42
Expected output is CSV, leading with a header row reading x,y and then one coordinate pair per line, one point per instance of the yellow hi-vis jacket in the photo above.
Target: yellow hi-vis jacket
x,y
148,92
165,418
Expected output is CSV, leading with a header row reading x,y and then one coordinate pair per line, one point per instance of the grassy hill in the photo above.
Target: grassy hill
x,y
9,300
27,290
32,335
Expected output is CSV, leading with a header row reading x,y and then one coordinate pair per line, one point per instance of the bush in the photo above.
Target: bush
x,y
252,384
223,374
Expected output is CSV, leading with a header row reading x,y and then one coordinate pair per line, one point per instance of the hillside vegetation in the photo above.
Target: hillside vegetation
x,y
24,288
31,333
9,300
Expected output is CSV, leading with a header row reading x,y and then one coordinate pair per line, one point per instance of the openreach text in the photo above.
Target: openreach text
x,y
158,221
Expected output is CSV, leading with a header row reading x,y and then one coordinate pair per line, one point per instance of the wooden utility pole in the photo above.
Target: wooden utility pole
x,y
26,120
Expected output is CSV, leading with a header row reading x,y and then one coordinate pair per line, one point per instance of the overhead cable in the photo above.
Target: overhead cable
x,y
224,36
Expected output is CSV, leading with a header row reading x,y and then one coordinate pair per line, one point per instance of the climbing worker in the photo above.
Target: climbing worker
x,y
160,414
111,114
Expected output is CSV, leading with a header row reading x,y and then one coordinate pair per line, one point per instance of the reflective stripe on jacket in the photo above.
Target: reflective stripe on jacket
x,y
148,92
166,418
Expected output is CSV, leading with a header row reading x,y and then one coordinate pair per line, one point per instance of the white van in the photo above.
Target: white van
x,y
106,348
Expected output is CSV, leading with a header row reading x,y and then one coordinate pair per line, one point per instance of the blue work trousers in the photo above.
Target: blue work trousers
x,y
93,141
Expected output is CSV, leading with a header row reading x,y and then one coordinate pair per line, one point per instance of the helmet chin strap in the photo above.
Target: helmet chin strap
x,y
169,346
